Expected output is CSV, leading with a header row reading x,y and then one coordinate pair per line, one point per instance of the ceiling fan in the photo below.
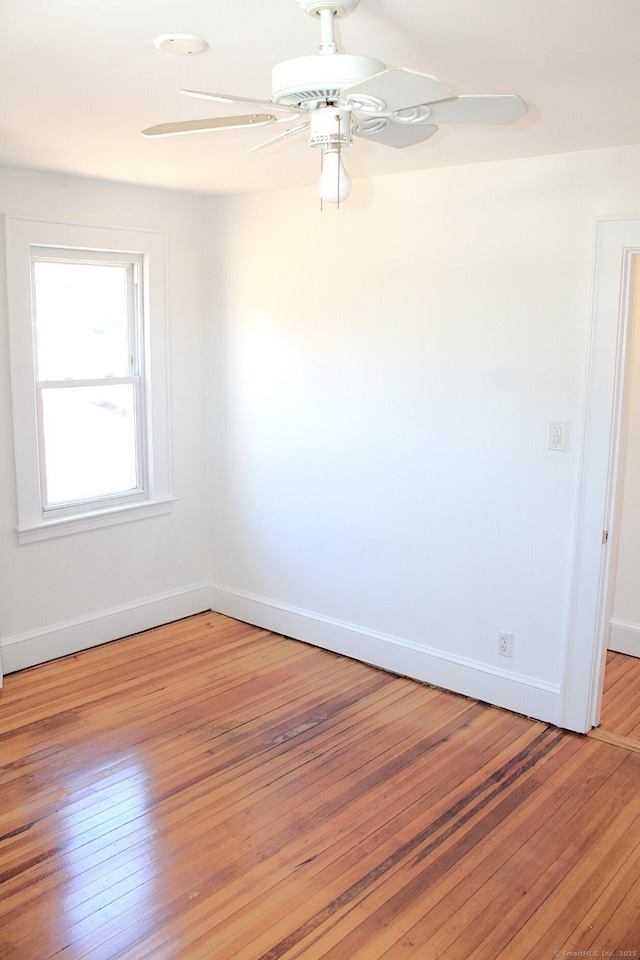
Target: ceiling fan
x,y
337,96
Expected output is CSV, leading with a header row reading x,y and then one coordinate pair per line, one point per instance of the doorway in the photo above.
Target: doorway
x,y
620,712
624,634
602,469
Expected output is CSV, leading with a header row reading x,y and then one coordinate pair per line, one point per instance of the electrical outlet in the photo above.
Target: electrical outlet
x,y
505,644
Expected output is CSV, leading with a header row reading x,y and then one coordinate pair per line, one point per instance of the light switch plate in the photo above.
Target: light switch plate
x,y
558,430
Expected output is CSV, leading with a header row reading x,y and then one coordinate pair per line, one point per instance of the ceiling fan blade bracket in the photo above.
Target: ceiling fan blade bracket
x,y
367,126
420,114
366,104
396,89
413,115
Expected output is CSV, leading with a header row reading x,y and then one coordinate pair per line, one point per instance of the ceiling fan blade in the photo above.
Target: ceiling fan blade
x,y
282,136
204,126
395,89
505,108
224,98
395,134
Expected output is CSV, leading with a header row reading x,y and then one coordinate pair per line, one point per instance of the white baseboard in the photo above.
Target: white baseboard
x,y
37,646
502,688
521,694
624,637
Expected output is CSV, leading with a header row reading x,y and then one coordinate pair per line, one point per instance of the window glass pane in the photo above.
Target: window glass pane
x,y
89,441
81,320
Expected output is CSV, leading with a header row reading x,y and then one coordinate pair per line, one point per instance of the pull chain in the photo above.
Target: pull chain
x,y
337,117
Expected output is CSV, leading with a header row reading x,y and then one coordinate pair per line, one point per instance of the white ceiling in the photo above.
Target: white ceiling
x,y
80,78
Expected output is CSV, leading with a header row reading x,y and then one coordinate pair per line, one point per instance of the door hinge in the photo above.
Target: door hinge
x,y
605,536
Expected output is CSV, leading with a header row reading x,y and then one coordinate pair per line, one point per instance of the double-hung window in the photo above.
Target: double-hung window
x,y
89,377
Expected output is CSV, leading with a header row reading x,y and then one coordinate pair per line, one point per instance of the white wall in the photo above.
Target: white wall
x,y
384,485
625,622
67,593
376,385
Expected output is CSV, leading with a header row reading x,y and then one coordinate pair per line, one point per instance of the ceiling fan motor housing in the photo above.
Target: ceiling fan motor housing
x,y
313,79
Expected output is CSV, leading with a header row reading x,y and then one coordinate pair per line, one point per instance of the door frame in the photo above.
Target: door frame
x,y
617,245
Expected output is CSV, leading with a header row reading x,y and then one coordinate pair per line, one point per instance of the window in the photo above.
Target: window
x,y
89,380
88,365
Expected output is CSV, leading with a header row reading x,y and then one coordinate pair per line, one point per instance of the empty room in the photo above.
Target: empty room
x,y
319,480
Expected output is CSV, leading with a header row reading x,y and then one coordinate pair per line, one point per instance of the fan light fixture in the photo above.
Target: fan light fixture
x,y
330,131
337,96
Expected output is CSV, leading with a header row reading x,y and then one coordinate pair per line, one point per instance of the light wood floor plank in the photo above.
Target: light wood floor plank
x,y
425,886
211,791
185,810
277,846
314,885
215,798
472,877
592,906
540,912
620,712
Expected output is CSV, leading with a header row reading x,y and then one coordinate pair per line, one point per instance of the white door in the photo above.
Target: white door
x,y
624,626
617,255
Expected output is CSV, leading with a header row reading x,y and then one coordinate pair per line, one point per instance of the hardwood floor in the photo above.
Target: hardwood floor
x,y
621,697
211,790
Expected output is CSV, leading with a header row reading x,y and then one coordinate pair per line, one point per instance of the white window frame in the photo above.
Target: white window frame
x,y
133,264
26,240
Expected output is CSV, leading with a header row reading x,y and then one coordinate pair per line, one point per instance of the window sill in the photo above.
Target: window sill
x,y
77,523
